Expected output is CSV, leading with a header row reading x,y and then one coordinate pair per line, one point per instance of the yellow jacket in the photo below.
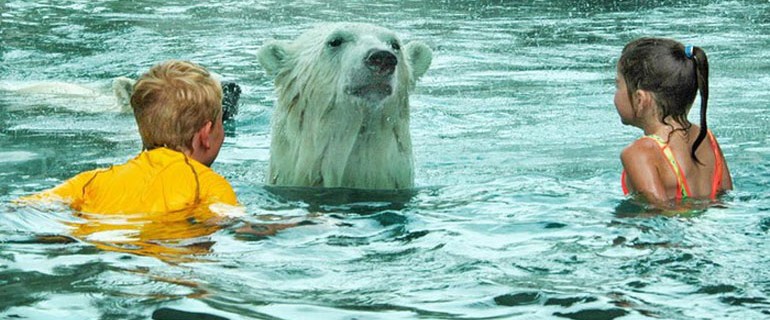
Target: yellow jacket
x,y
155,182
159,196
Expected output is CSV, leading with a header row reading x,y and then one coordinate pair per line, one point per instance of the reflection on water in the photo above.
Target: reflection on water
x,y
166,239
343,200
518,211
175,236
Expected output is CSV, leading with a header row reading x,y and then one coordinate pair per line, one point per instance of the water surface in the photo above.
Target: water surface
x,y
518,212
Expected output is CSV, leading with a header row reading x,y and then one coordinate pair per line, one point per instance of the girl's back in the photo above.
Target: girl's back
x,y
704,179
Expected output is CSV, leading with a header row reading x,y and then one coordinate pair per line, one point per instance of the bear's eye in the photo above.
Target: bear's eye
x,y
395,46
336,42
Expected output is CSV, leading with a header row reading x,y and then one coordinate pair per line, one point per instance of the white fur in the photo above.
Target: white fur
x,y
325,135
81,97
57,88
122,88
78,97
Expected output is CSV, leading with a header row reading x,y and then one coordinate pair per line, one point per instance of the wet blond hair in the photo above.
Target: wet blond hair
x,y
172,101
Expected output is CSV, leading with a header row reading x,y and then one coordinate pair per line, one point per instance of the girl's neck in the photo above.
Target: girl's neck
x,y
661,129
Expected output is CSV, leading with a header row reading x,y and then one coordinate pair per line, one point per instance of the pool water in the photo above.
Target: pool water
x,y
517,213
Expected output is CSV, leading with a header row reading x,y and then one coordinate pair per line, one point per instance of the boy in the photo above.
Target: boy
x,y
167,191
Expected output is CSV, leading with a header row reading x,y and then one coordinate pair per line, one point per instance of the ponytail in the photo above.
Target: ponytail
x,y
699,59
674,73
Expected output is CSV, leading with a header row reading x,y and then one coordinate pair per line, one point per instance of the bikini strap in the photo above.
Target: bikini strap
x,y
718,163
682,188
623,175
661,143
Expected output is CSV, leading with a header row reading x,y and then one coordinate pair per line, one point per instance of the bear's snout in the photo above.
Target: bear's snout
x,y
382,62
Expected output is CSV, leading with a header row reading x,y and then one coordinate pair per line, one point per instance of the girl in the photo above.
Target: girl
x,y
657,81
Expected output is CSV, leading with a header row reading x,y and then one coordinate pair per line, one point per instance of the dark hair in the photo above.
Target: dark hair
x,y
662,67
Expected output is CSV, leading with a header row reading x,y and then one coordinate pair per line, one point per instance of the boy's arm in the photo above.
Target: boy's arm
x,y
225,204
642,173
220,191
219,198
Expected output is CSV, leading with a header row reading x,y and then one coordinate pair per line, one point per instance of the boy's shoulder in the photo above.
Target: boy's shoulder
x,y
216,188
213,185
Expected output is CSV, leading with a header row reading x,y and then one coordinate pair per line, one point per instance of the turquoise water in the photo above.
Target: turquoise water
x,y
518,212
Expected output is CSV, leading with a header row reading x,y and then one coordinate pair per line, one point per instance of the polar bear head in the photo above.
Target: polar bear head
x,y
351,61
342,110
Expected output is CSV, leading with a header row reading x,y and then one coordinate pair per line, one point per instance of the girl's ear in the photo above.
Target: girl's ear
x,y
643,99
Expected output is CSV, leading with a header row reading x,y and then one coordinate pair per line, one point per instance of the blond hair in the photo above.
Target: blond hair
x,y
172,101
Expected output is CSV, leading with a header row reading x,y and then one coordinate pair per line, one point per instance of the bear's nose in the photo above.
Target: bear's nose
x,y
381,61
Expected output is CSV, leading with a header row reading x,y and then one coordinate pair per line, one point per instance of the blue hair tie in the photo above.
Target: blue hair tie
x,y
688,51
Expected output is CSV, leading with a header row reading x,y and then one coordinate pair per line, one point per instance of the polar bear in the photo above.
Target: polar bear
x,y
95,100
77,97
342,111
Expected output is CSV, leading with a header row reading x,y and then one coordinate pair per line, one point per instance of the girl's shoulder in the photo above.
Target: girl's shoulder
x,y
644,149
642,145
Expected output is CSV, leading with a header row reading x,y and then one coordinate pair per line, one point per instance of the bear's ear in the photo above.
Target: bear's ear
x,y
272,56
123,88
420,57
216,76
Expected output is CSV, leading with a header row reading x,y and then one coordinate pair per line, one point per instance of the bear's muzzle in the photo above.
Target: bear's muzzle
x,y
381,62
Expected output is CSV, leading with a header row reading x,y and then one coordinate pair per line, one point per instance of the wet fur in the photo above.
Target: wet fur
x,y
321,134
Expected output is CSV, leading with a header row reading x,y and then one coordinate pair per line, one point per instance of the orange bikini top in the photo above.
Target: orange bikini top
x,y
683,188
